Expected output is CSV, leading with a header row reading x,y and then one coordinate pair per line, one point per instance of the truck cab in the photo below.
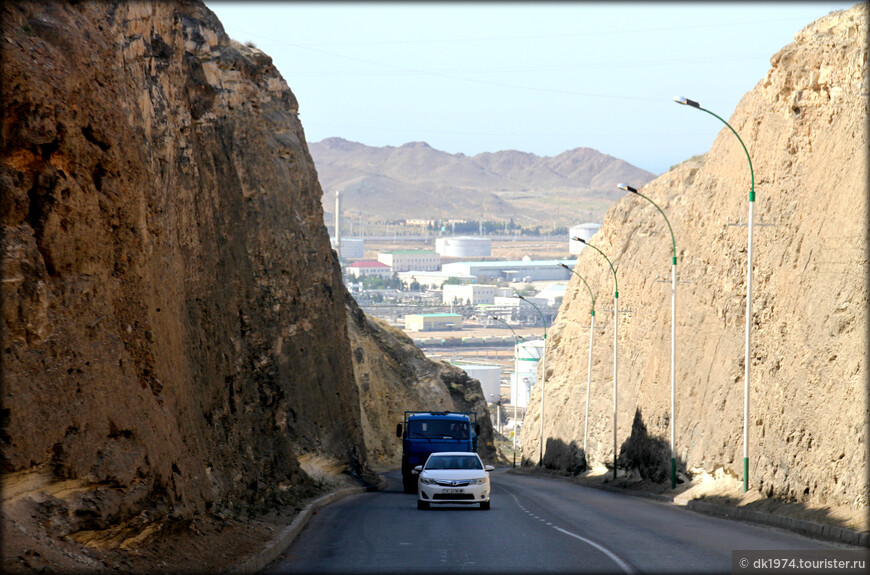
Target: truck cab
x,y
427,432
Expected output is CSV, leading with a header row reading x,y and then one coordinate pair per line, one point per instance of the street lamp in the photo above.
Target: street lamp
x,y
543,377
628,188
693,104
589,373
615,341
516,378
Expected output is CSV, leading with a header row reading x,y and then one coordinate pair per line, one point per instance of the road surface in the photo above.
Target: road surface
x,y
536,524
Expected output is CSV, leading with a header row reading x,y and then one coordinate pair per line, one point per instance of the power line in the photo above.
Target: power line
x,y
550,36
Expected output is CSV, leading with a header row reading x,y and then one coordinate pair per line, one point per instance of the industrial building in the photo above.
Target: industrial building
x,y
582,231
432,279
464,247
552,294
473,294
541,270
514,301
407,260
433,321
369,268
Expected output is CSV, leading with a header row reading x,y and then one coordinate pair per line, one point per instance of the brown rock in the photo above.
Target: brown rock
x,y
805,126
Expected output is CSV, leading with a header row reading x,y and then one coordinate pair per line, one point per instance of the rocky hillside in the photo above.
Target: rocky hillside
x,y
805,127
175,346
418,181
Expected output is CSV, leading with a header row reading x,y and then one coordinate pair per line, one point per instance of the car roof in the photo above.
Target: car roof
x,y
454,453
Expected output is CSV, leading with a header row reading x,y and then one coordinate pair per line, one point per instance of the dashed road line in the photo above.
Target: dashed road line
x,y
613,556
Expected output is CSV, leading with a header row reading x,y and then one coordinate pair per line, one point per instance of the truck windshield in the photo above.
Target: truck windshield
x,y
453,462
438,429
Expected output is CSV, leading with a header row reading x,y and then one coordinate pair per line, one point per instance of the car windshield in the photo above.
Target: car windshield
x,y
453,462
438,429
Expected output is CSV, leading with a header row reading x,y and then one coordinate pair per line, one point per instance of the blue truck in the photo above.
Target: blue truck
x,y
427,432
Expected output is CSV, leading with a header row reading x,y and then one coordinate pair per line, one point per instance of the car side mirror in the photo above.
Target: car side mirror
x,y
477,429
398,430
488,467
417,470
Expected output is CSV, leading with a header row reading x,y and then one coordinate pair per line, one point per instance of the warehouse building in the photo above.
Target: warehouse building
x,y
369,268
432,280
433,321
407,260
541,270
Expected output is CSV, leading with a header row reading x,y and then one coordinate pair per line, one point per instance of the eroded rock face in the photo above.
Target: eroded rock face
x,y
805,126
173,315
393,376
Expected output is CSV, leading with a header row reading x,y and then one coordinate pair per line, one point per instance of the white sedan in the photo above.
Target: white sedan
x,y
453,477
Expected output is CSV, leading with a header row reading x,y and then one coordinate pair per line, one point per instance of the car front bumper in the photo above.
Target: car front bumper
x,y
453,494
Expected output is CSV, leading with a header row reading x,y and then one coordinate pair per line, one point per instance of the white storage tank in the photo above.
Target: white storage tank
x,y
489,377
583,231
463,247
529,354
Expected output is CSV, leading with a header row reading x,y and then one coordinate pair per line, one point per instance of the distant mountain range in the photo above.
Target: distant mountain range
x,y
417,181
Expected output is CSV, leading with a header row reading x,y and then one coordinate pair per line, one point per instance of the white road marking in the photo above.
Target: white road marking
x,y
622,564
613,557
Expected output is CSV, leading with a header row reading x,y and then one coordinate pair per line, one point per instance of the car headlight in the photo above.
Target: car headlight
x,y
427,481
481,481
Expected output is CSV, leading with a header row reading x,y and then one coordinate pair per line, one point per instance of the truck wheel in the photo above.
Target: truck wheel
x,y
410,484
484,505
422,505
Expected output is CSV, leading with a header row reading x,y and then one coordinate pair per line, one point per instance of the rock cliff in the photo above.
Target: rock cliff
x,y
175,333
805,128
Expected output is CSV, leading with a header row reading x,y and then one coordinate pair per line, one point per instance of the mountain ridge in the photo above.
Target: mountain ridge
x,y
493,180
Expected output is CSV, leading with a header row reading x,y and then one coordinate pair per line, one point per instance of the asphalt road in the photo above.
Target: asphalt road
x,y
536,525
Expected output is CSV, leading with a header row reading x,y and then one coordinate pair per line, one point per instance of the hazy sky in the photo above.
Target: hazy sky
x,y
534,77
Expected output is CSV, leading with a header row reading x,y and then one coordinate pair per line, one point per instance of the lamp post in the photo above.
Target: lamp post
x,y
589,373
615,342
543,377
628,188
693,104
516,379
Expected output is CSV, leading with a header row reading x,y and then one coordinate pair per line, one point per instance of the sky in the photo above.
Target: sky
x,y
542,77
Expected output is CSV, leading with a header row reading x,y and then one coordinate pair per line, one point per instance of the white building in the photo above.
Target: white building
x,y
552,294
582,231
432,279
464,247
369,268
540,270
473,294
517,302
407,260
433,321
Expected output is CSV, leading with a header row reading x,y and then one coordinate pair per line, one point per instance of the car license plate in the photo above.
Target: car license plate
x,y
453,491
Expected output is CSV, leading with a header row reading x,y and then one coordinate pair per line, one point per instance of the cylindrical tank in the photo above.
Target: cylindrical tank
x,y
529,353
583,231
464,247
